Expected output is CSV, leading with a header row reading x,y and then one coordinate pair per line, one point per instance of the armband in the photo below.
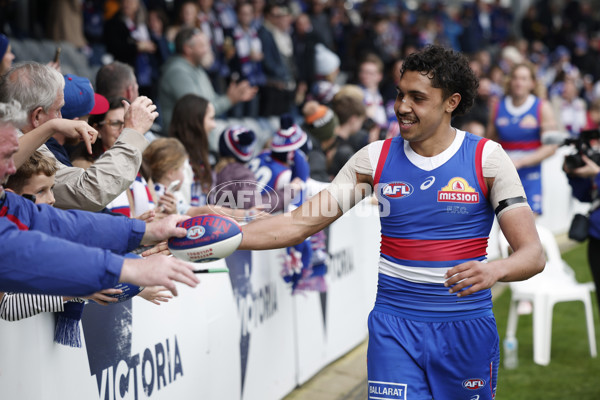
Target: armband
x,y
509,202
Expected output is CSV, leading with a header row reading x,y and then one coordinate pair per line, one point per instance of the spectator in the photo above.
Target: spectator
x,y
65,22
570,109
127,38
370,75
117,79
34,180
305,39
135,201
593,115
277,96
318,12
236,148
349,107
327,69
40,91
187,17
210,25
164,163
193,120
6,55
320,122
80,103
184,74
45,258
246,58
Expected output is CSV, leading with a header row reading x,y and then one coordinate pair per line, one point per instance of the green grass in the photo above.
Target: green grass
x,y
572,373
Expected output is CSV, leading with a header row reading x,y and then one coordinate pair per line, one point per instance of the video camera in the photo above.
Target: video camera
x,y
583,146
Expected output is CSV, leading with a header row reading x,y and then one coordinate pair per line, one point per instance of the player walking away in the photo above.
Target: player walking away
x,y
432,333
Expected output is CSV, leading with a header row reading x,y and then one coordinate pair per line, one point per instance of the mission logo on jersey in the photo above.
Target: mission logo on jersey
x,y
458,191
397,189
528,122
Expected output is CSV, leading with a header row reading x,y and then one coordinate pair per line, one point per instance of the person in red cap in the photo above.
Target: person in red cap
x,y
80,103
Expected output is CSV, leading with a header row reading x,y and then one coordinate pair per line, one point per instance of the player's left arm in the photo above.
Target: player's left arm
x,y
518,226
548,125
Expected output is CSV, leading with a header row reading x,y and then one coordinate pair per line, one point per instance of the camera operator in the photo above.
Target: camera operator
x,y
583,172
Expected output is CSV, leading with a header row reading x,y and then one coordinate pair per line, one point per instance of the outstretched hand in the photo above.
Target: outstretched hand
x,y
162,229
158,270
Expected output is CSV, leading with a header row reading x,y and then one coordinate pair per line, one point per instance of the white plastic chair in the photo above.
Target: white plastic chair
x,y
555,284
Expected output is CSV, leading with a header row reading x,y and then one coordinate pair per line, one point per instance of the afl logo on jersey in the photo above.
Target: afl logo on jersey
x,y
397,190
458,191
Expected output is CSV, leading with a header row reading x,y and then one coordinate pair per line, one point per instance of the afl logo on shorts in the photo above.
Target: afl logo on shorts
x,y
473,384
397,190
195,232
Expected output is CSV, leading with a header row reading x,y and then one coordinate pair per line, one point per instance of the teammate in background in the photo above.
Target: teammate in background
x,y
519,121
432,327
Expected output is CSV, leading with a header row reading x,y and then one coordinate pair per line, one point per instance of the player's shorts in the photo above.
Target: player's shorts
x,y
531,178
414,360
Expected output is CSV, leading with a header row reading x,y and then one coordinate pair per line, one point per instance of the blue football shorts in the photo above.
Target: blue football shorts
x,y
415,360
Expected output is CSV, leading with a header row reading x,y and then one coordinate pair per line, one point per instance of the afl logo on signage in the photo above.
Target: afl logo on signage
x,y
473,384
195,232
397,189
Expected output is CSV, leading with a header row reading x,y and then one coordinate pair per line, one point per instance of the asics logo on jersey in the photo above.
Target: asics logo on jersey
x,y
428,182
476,397
473,384
397,189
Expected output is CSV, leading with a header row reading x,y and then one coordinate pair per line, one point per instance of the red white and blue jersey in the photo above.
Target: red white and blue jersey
x,y
270,173
431,221
519,133
518,128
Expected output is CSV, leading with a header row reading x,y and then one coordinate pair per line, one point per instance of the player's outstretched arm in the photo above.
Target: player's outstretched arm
x,y
289,229
158,270
518,226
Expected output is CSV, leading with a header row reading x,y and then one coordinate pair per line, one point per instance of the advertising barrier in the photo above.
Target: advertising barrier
x,y
238,335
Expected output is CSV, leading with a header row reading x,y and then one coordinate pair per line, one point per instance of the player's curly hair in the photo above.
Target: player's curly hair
x,y
448,70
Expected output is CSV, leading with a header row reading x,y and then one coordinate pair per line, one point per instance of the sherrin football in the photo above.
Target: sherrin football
x,y
209,237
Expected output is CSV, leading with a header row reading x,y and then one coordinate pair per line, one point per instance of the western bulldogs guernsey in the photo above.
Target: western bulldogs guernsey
x,y
424,342
269,172
431,221
519,132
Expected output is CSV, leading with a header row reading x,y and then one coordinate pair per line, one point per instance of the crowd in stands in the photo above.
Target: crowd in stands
x,y
316,79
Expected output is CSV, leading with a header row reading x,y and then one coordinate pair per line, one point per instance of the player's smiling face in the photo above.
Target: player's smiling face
x,y
419,107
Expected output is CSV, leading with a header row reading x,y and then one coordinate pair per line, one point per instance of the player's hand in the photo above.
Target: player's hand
x,y
102,298
470,277
158,270
155,294
140,114
164,228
